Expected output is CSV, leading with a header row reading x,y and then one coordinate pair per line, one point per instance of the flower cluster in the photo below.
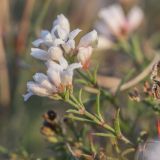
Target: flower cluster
x,y
113,24
55,48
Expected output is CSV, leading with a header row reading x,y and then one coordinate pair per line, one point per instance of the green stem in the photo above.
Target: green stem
x,y
72,103
91,116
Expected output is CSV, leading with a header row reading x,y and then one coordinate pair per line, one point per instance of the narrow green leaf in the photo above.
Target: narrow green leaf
x,y
95,74
117,124
72,111
81,81
104,135
79,118
66,95
98,107
136,49
80,96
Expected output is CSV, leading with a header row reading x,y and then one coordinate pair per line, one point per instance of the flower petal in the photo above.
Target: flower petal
x,y
74,33
27,96
38,42
69,45
43,81
62,33
39,54
135,18
90,39
63,62
104,43
53,65
55,53
63,22
102,29
66,77
46,35
84,54
54,77
73,66
114,18
37,89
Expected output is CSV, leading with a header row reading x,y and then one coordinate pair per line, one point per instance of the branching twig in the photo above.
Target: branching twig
x,y
103,80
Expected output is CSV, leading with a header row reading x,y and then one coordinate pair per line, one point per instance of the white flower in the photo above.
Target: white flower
x,y
58,77
114,23
39,54
67,73
48,39
135,18
84,55
61,74
53,53
90,39
60,35
63,22
85,48
70,43
43,81
35,89
59,32
41,86
56,44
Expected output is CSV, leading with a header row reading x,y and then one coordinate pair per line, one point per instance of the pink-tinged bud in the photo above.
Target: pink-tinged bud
x,y
84,55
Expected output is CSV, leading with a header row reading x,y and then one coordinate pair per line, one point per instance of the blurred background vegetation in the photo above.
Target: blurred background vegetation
x,y
20,23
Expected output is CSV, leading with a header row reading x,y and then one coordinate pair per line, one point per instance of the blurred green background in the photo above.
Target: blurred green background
x,y
20,23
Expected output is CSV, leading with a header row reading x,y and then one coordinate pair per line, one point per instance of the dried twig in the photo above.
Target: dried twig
x,y
112,83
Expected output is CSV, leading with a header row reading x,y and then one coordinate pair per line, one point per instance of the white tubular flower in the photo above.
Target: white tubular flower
x,y
41,86
135,17
70,43
114,23
27,96
63,22
85,47
47,39
90,39
35,89
84,55
57,43
43,81
61,28
60,35
39,54
67,74
61,74
114,18
55,53
54,77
